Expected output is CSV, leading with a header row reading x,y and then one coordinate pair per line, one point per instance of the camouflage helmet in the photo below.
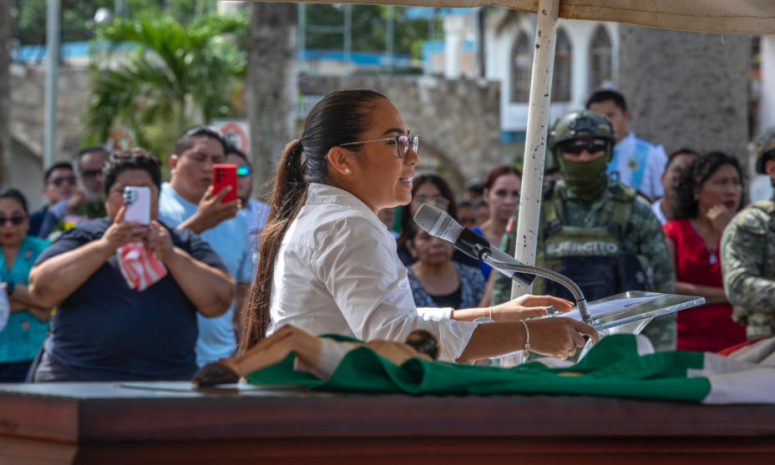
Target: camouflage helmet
x,y
765,150
578,124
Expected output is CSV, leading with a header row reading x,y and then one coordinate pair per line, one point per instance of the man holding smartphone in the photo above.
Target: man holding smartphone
x,y
188,202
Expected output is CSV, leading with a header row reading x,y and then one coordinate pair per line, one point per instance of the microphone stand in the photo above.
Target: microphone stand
x,y
566,282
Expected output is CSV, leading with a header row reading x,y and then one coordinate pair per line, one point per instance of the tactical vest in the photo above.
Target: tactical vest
x,y
595,258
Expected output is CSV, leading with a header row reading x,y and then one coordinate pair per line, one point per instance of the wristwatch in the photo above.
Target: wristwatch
x,y
9,288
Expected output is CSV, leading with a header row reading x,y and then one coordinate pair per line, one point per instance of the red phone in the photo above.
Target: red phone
x,y
225,175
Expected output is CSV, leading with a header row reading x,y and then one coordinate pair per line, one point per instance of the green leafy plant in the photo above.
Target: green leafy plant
x,y
158,76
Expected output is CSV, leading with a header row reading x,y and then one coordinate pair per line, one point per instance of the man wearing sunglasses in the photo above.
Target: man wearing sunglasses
x,y
88,163
86,201
256,211
59,182
597,231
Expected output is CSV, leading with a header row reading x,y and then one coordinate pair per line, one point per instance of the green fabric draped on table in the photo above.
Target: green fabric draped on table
x,y
613,368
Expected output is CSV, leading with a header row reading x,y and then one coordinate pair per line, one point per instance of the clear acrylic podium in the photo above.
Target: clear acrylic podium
x,y
630,312
625,313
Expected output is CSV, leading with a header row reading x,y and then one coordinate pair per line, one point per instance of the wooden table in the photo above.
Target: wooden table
x,y
138,423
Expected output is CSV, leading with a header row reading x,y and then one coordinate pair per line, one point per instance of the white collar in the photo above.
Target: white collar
x,y
320,194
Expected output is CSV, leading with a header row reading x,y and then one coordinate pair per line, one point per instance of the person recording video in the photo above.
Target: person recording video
x,y
106,328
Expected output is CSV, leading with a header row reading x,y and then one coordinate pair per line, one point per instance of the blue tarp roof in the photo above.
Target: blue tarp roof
x,y
430,13
68,50
366,59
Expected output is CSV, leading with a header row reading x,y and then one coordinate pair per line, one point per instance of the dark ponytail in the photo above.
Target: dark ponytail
x,y
340,117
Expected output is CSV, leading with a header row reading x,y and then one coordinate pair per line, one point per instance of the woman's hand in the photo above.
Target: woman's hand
x,y
120,233
559,337
529,306
720,216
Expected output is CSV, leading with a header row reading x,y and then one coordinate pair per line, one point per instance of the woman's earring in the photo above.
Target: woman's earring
x,y
347,171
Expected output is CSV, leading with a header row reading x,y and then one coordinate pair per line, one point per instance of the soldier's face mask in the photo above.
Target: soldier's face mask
x,y
588,179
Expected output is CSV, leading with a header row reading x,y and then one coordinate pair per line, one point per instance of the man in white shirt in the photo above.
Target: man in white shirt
x,y
636,162
187,202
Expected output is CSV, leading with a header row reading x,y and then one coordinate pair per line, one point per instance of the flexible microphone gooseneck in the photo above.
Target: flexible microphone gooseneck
x,y
439,223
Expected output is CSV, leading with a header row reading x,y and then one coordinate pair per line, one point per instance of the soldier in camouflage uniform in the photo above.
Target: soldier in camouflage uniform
x,y
600,233
748,256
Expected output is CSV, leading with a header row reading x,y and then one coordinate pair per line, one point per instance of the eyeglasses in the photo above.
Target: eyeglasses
x,y
575,147
439,202
15,220
243,171
91,173
403,144
63,179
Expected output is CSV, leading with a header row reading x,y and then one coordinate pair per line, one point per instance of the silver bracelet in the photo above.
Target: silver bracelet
x,y
526,349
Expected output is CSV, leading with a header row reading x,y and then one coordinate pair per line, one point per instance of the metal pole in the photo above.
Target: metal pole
x,y
390,36
120,8
535,145
348,32
302,46
52,79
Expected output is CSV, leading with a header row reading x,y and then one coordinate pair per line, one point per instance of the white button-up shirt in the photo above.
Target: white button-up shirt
x,y
337,272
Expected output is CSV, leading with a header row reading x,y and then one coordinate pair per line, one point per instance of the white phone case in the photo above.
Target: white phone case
x,y
138,204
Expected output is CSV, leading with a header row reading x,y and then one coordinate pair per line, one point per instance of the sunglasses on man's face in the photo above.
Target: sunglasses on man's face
x,y
64,179
243,171
576,147
90,174
15,220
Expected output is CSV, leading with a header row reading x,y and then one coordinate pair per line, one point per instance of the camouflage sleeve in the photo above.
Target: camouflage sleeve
x,y
650,240
501,291
743,259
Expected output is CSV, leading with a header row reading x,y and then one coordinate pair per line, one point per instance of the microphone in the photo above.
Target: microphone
x,y
439,223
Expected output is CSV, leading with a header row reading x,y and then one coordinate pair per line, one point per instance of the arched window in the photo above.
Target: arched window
x,y
562,68
600,59
521,62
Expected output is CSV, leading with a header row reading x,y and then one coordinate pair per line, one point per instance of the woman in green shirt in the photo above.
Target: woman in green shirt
x,y
27,324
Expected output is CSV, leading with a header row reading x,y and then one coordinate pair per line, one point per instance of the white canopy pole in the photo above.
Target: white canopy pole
x,y
50,147
535,144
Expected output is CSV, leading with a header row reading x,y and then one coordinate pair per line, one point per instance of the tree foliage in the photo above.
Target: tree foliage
x,y
29,16
176,76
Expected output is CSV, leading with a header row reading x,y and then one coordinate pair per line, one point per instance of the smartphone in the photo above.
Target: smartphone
x,y
138,204
225,175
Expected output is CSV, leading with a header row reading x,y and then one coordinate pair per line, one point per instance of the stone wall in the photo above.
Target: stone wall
x,y
458,120
28,117
28,97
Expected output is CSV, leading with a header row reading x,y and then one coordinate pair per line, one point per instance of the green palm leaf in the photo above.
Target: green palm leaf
x,y
176,75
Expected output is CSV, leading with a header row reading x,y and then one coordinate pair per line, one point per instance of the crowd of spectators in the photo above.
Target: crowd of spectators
x,y
74,314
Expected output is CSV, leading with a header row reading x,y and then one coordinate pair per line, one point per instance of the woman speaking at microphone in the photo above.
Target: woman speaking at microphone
x,y
328,265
